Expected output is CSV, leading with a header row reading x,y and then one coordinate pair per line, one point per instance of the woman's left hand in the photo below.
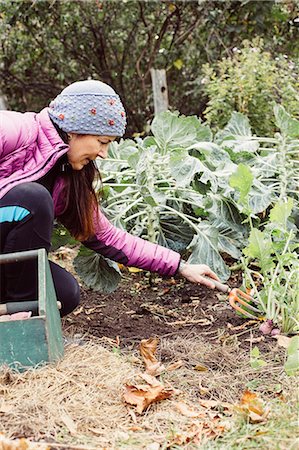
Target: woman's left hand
x,y
196,273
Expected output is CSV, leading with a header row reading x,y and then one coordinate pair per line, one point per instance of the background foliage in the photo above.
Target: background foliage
x,y
251,82
46,45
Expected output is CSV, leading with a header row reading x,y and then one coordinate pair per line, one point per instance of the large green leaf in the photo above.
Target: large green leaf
x,y
204,247
171,131
242,180
280,213
213,153
146,176
184,167
292,363
260,198
118,157
203,131
237,135
174,233
225,217
98,273
287,124
260,248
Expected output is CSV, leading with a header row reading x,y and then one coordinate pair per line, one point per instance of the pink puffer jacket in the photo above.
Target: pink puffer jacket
x,y
29,148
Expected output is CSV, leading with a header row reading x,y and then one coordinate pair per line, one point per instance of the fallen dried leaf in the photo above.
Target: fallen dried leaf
x,y
20,444
197,430
282,341
150,379
135,428
148,348
214,403
175,365
187,411
201,368
253,407
143,396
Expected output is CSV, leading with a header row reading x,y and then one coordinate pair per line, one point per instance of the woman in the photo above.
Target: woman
x,y
46,171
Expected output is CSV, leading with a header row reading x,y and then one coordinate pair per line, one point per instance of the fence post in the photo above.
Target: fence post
x,y
3,104
160,90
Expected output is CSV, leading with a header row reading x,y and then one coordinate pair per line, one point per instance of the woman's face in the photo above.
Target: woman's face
x,y
86,147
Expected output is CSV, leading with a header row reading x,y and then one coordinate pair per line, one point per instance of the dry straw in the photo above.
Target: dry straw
x,y
78,403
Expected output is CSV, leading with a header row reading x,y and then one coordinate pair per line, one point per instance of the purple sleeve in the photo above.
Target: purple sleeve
x,y
123,247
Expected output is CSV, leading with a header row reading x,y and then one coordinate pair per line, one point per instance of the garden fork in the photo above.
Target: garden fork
x,y
236,298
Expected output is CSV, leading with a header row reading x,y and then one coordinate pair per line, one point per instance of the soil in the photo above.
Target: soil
x,y
141,308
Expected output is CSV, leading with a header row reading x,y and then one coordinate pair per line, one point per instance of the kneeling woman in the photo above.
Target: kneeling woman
x,y
47,171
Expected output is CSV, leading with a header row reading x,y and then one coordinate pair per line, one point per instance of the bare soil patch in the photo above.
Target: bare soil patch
x,y
169,308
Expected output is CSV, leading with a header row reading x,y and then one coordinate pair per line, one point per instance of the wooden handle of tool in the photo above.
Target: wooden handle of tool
x,y
220,286
13,307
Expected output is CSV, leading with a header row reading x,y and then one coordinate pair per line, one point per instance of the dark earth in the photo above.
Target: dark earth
x,y
141,308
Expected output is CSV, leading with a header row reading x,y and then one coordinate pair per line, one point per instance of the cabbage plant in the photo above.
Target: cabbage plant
x,y
174,188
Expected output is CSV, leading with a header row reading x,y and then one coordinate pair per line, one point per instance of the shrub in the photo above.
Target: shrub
x,y
251,81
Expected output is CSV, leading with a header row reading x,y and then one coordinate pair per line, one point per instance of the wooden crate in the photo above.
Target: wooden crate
x,y
37,340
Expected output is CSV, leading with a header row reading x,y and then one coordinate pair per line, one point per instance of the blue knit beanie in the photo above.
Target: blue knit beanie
x,y
89,107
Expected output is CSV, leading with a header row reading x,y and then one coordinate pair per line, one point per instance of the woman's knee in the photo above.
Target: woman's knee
x,y
36,198
70,301
67,289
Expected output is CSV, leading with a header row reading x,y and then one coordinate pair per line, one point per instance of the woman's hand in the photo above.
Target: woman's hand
x,y
196,273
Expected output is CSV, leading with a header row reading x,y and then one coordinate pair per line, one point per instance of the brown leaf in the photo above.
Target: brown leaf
x,y
187,411
197,430
214,403
175,365
135,428
201,368
143,396
253,407
148,348
150,379
255,418
156,369
20,444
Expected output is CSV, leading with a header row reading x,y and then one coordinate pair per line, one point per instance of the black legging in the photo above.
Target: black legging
x,y
26,224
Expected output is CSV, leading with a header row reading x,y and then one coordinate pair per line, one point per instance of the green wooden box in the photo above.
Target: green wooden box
x,y
37,340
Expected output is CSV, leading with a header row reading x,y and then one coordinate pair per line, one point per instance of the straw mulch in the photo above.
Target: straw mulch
x,y
78,403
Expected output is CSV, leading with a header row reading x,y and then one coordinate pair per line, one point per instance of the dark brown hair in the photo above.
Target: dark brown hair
x,y
81,199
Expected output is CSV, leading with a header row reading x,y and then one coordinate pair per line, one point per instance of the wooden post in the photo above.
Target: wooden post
x,y
3,104
160,90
